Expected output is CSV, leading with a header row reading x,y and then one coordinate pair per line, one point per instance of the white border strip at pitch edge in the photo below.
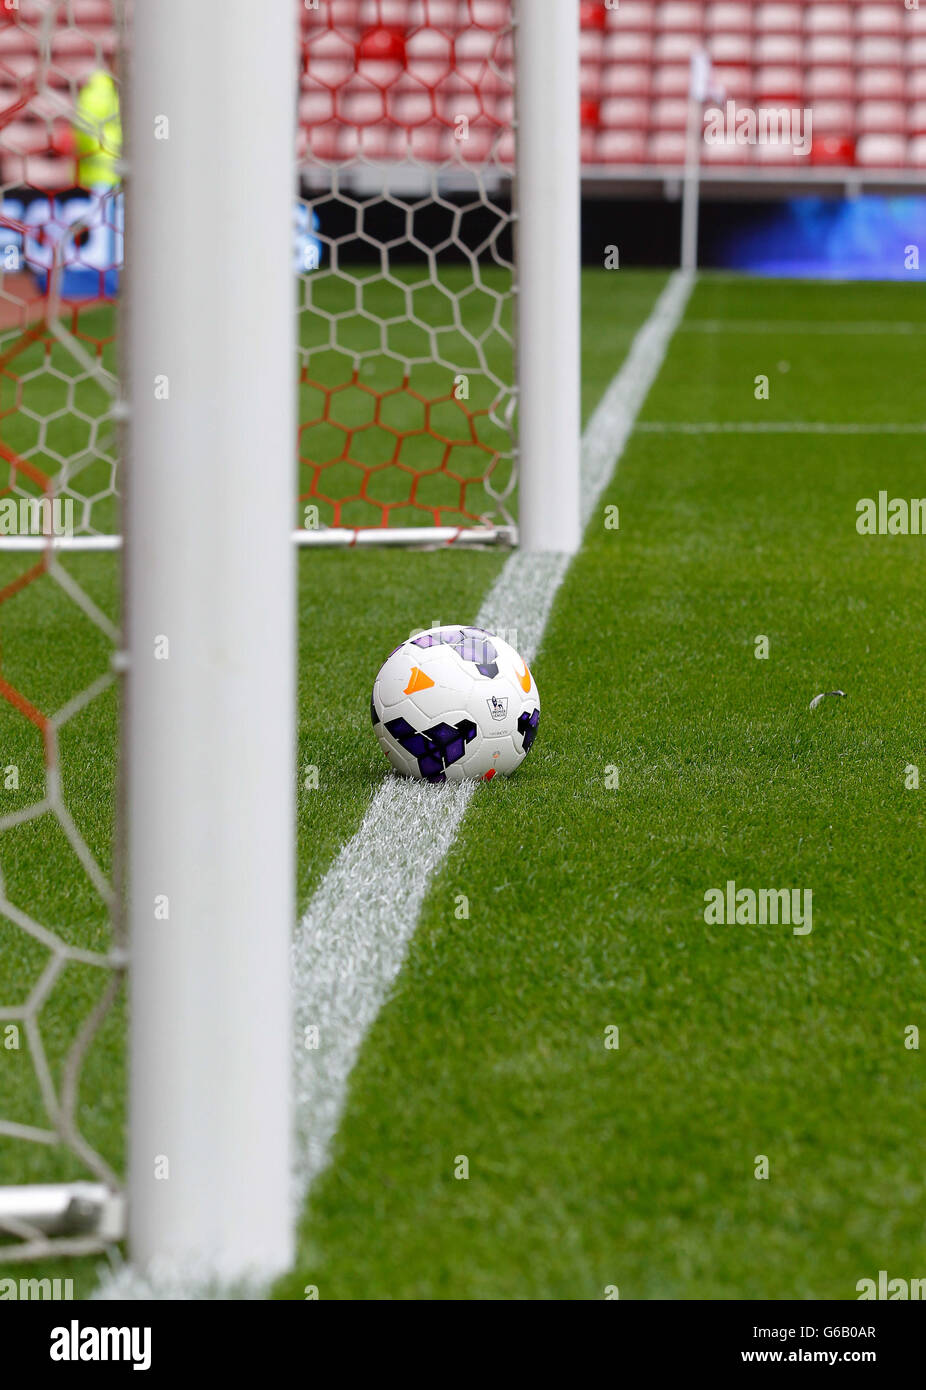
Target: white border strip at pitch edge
x,y
352,941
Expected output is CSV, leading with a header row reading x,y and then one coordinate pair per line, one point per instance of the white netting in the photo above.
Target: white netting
x,y
61,948
407,396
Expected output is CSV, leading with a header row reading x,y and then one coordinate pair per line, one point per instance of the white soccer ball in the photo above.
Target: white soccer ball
x,y
455,702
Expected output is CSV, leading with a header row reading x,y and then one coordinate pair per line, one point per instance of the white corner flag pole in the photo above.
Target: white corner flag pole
x,y
699,81
211,623
549,304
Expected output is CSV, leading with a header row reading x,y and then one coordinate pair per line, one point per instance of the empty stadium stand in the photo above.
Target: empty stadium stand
x,y
390,79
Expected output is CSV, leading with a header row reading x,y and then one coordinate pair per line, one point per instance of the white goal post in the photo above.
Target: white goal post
x,y
208,555
210,730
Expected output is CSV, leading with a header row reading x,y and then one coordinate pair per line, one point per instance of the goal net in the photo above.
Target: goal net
x,y
407,380
61,939
425,229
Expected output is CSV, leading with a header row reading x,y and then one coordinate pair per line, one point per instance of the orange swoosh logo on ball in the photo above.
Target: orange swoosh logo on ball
x,y
525,680
417,681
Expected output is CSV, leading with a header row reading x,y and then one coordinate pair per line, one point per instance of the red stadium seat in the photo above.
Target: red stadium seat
x,y
389,13
440,14
881,151
620,147
771,49
778,19
38,171
429,55
735,82
835,49
879,82
838,150
828,19
675,48
632,15
626,79
879,19
734,18
632,47
13,39
26,137
87,13
359,103
474,45
667,147
316,106
490,14
324,140
431,143
680,17
879,51
624,113
380,142
592,16
408,103
833,118
70,71
916,152
591,45
381,56
348,16
588,145
838,83
670,113
730,48
671,80
779,84
590,81
883,117
329,57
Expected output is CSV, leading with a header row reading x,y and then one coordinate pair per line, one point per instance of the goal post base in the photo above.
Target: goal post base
x,y
409,536
63,1218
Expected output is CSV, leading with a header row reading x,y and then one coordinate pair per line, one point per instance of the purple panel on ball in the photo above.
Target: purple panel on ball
x,y
454,751
441,733
527,727
399,728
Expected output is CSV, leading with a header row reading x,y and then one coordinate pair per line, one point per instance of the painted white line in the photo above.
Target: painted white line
x,y
351,943
774,427
731,328
353,938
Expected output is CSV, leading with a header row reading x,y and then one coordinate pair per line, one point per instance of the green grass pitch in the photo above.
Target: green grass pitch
x,y
591,1167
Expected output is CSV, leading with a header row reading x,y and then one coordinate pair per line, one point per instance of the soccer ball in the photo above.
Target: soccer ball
x,y
453,703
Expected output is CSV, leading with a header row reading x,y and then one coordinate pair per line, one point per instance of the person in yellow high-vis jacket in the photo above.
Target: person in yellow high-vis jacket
x,y
98,133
